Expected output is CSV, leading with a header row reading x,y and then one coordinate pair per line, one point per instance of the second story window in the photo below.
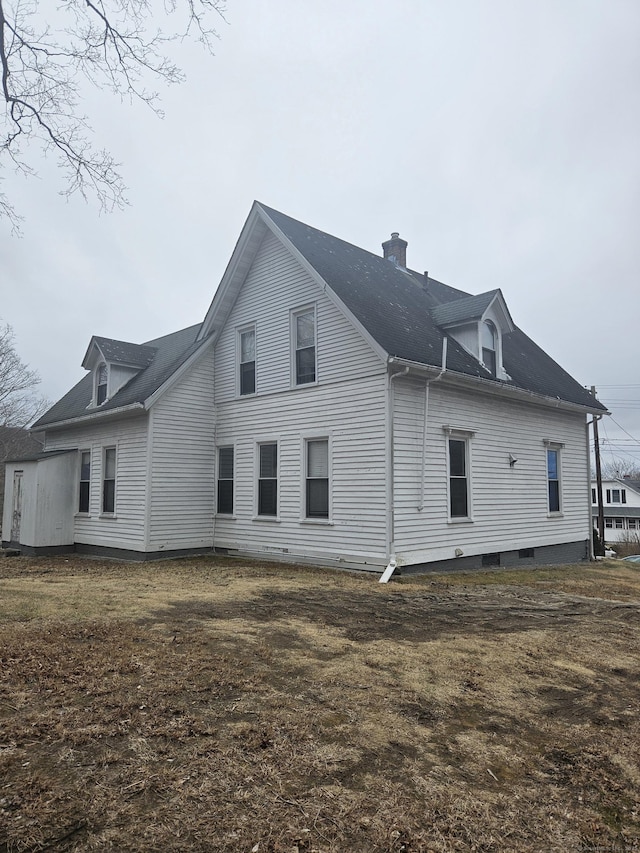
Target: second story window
x,y
101,384
247,346
489,340
304,333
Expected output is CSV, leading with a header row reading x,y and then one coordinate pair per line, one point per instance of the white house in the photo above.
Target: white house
x,y
621,505
334,406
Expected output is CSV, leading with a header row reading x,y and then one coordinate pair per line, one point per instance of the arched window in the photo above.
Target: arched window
x,y
489,340
101,384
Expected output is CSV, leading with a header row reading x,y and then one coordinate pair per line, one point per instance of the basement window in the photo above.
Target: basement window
x,y
490,560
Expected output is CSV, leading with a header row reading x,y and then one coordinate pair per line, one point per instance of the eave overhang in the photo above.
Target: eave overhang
x,y
109,414
491,386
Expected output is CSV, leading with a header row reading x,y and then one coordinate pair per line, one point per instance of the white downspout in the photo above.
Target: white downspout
x,y
427,383
391,566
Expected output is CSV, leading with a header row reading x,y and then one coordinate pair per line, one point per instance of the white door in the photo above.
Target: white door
x,y
16,515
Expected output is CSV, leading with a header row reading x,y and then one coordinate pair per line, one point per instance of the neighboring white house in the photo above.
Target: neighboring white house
x,y
621,504
335,407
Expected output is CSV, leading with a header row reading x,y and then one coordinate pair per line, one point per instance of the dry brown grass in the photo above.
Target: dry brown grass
x,y
213,705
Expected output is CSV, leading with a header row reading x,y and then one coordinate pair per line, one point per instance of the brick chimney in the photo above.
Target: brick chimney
x,y
395,250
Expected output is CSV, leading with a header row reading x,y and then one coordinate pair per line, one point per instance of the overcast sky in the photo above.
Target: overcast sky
x,y
499,137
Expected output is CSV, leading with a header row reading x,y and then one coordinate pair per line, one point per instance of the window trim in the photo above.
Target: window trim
x,y
98,384
103,479
240,331
295,313
557,447
230,515
84,513
466,436
257,515
306,438
494,368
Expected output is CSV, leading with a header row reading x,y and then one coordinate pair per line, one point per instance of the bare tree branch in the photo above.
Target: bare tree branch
x,y
113,44
20,405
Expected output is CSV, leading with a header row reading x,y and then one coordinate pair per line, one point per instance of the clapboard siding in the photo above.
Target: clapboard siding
x,y
182,462
126,528
275,285
509,503
353,416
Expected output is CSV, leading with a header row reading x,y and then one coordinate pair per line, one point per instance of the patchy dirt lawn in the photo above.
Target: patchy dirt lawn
x,y
216,705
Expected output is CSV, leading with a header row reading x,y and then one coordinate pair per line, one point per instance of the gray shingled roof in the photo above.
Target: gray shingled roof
x,y
170,352
396,307
471,308
123,352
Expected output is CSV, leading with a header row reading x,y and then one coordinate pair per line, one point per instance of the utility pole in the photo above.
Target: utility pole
x,y
596,450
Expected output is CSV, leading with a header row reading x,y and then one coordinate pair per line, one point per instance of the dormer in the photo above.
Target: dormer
x,y
478,323
113,364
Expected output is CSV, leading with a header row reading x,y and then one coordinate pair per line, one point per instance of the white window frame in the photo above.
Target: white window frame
x,y
97,385
85,513
304,450
496,347
295,313
242,330
466,436
558,447
103,479
226,446
257,516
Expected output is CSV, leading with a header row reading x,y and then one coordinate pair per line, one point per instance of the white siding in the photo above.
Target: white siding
x,y
348,404
352,415
126,528
276,284
510,508
182,463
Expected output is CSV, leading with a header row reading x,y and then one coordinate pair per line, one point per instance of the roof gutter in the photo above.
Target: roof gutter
x,y
497,389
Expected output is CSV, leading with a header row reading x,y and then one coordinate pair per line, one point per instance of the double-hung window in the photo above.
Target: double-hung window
x,y
458,479
247,361
459,473
109,480
85,481
554,487
268,479
317,478
102,377
489,337
225,480
304,339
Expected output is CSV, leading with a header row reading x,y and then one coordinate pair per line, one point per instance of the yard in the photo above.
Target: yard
x,y
218,705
